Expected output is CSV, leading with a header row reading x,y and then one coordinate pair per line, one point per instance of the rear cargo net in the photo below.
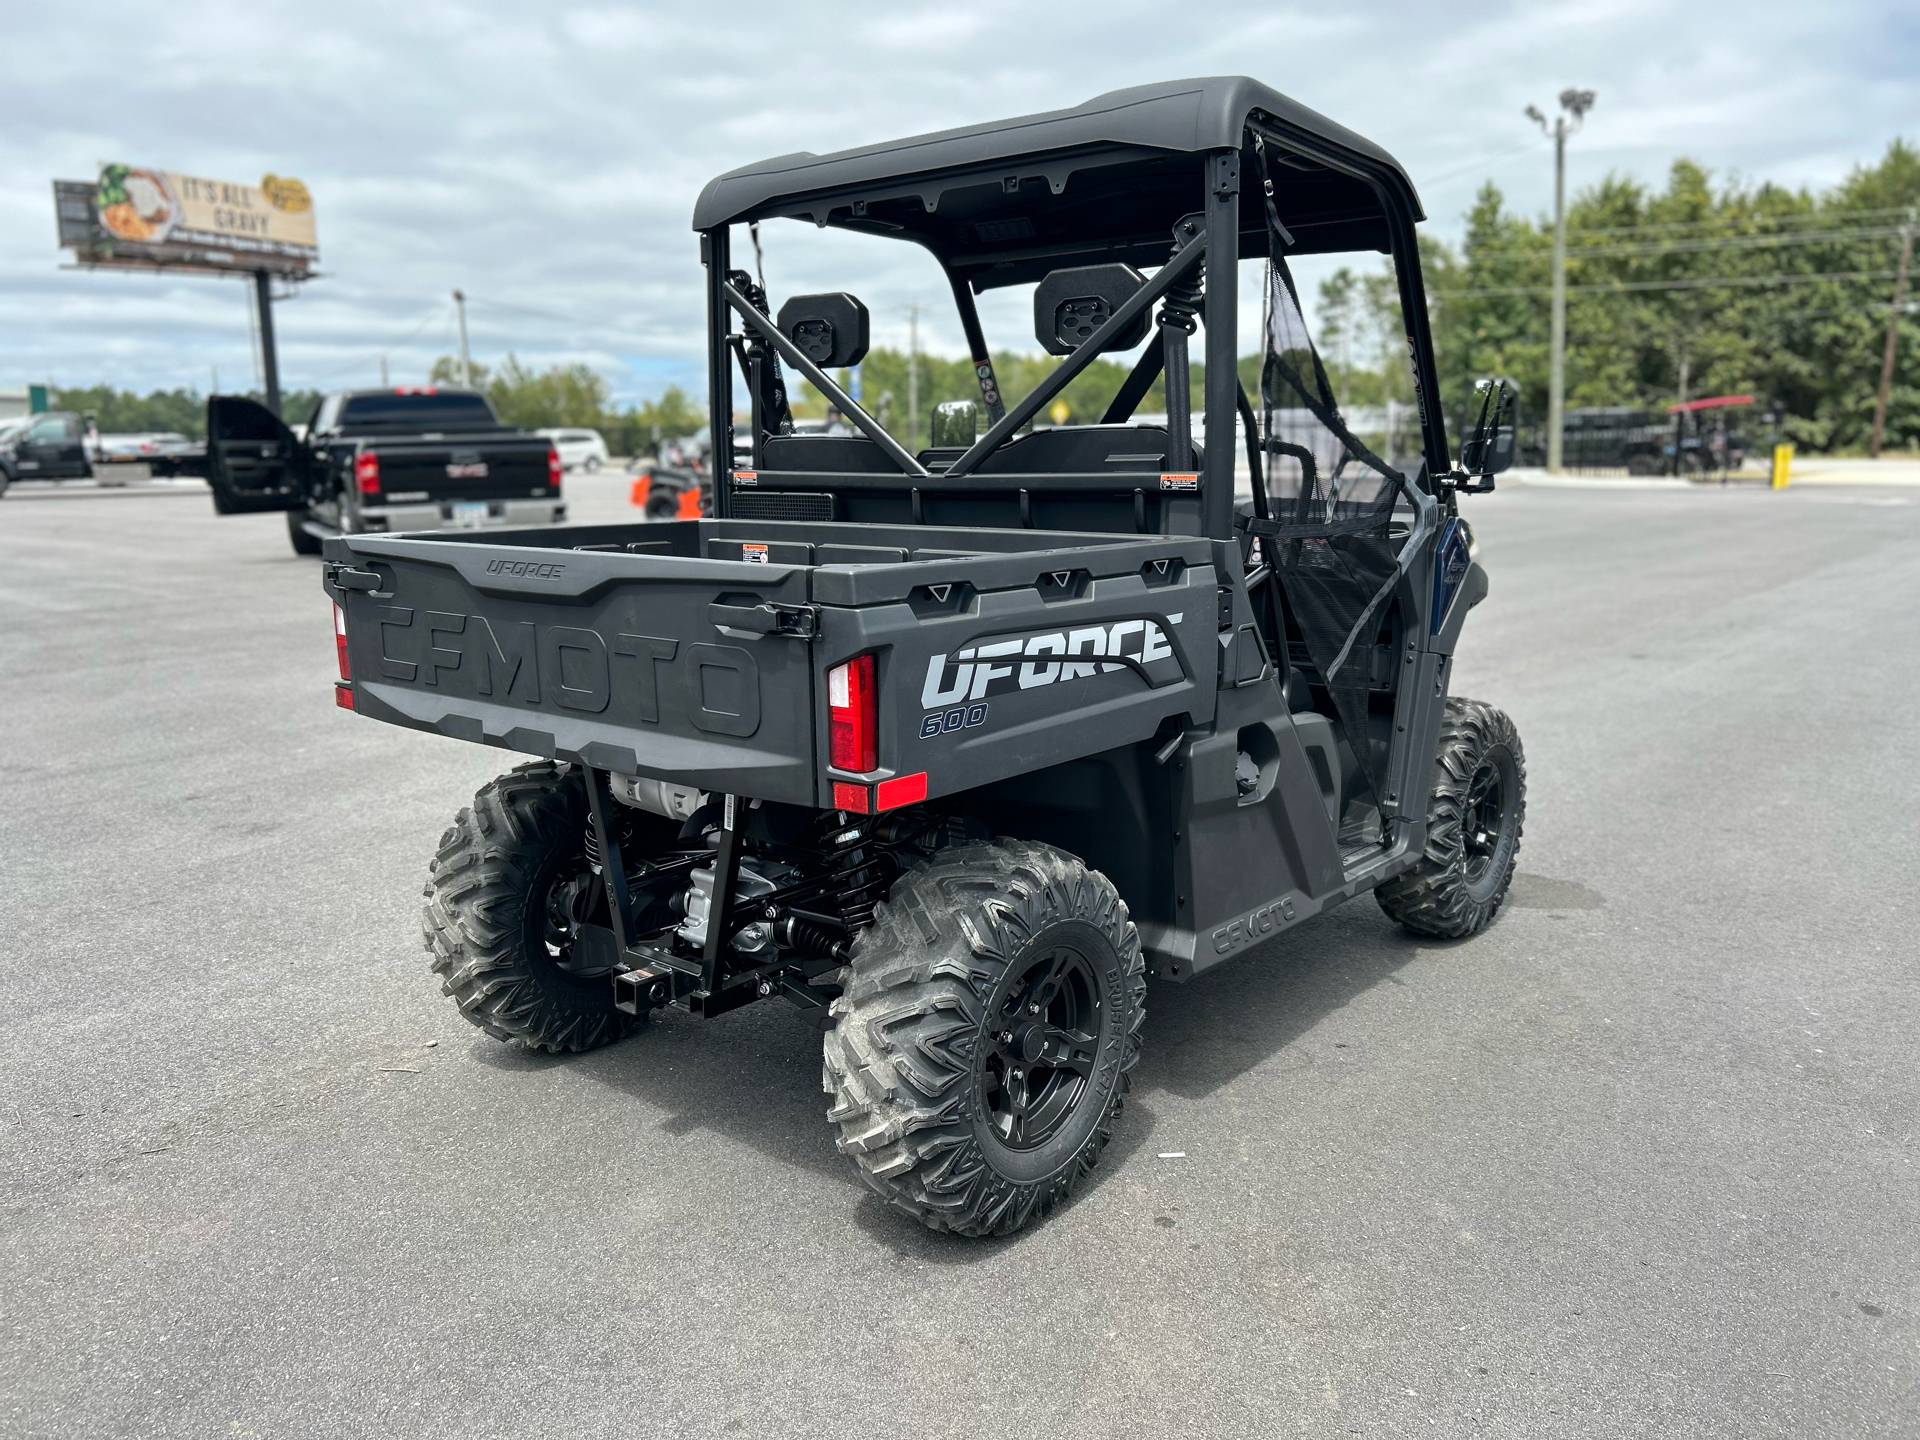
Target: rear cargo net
x,y
781,505
1330,502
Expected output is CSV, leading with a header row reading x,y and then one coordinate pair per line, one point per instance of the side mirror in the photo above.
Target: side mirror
x,y
956,424
1489,447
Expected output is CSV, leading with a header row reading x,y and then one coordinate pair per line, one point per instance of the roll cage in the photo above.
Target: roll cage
x,y
1160,177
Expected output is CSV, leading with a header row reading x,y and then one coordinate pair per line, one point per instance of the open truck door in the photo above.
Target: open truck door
x,y
254,462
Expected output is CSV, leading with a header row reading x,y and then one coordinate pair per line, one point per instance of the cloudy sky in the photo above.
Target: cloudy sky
x,y
545,158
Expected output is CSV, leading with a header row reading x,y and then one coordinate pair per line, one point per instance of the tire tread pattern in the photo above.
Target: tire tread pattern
x,y
475,921
899,1061
1433,897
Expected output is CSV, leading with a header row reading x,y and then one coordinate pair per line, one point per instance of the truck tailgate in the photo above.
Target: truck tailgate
x,y
610,658
462,467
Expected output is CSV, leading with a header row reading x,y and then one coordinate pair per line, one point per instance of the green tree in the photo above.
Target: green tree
x,y
1693,290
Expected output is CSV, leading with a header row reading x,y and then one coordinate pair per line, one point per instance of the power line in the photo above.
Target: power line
x,y
1728,242
361,359
1696,284
1531,145
523,310
1797,217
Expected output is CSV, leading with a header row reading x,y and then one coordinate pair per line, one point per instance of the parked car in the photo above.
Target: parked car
x,y
413,458
138,446
579,449
51,446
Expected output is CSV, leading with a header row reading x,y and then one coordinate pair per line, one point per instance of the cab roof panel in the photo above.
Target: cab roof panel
x,y
1007,201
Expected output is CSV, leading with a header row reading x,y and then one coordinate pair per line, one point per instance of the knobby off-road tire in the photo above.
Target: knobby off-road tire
x,y
985,1037
1474,820
509,881
297,536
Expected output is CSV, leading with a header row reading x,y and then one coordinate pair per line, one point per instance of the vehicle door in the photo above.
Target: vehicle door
x,y
254,462
53,448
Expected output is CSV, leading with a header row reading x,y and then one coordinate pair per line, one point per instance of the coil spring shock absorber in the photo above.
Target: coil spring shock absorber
x,y
860,873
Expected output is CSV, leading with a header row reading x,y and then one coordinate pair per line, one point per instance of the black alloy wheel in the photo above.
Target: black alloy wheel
x,y
1041,1039
1483,822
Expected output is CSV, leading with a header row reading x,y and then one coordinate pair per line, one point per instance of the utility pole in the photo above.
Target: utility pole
x,y
1574,105
1893,336
913,375
383,371
466,364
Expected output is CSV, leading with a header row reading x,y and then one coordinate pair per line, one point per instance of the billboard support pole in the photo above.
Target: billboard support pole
x,y
269,355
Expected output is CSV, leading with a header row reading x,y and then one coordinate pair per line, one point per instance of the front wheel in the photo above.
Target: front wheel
x,y
1474,820
508,891
983,1043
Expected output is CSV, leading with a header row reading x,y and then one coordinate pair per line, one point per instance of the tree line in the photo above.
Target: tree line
x,y
1678,293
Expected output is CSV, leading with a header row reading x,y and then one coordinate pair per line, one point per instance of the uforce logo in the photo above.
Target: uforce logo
x,y
956,684
529,569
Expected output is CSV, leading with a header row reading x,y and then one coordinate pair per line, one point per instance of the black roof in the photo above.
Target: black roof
x,y
1005,202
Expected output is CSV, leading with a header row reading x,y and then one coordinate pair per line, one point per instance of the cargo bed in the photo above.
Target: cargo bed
x,y
697,651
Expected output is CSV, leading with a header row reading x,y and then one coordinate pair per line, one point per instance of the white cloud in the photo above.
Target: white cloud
x,y
546,159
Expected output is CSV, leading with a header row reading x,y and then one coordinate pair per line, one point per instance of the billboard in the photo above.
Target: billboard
x,y
141,218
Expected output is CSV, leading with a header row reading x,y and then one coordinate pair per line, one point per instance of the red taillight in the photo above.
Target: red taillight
x,y
340,640
854,716
343,694
553,466
366,472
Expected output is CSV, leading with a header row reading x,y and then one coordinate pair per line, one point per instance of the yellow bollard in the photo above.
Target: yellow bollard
x,y
1782,463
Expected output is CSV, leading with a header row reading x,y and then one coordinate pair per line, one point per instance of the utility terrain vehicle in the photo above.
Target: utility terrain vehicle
x,y
953,746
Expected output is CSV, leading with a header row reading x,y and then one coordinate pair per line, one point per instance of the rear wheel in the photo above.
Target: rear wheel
x,y
297,536
1474,820
990,1018
509,889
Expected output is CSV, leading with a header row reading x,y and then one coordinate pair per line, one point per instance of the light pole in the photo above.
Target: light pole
x,y
1574,105
913,375
466,365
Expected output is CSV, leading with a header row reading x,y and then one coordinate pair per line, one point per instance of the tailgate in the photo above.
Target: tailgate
x,y
609,659
480,467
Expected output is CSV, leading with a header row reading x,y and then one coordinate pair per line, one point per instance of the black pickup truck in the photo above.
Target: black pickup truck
x,y
411,458
953,746
48,446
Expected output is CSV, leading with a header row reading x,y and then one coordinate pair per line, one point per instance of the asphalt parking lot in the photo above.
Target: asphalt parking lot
x,y
1638,1161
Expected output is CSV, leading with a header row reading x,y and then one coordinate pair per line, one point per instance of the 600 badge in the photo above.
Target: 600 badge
x,y
960,717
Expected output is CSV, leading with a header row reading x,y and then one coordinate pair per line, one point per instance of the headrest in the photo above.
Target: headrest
x,y
1069,305
831,330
